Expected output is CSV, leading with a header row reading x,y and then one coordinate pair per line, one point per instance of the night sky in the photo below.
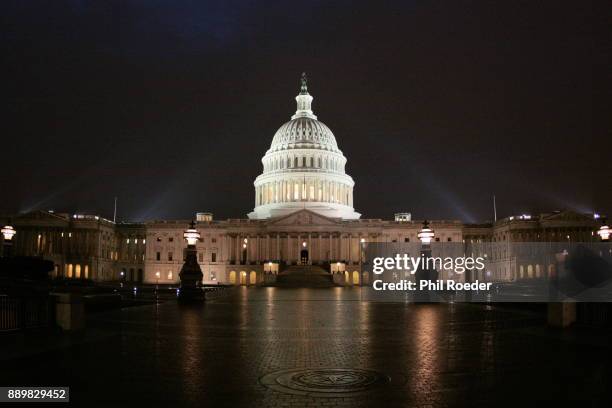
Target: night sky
x,y
437,105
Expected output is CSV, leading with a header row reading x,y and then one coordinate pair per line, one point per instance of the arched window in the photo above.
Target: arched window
x,y
312,162
296,162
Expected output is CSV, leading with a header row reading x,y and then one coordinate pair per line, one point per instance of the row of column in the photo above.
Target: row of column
x,y
303,190
294,162
244,248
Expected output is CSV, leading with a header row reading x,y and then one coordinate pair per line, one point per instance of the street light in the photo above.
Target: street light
x,y
426,234
8,232
191,273
191,235
604,232
423,273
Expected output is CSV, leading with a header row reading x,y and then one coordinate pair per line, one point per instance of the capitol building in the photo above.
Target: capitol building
x,y
303,224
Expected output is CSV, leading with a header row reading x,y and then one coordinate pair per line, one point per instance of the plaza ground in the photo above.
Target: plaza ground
x,y
223,354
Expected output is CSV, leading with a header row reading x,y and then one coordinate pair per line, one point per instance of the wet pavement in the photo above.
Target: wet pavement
x,y
271,347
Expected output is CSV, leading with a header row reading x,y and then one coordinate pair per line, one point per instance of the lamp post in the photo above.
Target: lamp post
x,y
191,273
8,232
425,235
361,249
604,232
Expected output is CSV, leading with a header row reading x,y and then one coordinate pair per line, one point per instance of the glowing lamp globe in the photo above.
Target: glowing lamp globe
x,y
191,235
426,234
604,232
8,232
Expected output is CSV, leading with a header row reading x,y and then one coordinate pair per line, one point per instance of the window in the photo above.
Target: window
x,y
395,240
127,241
158,256
213,276
449,239
437,239
201,257
171,239
406,239
213,240
169,275
158,239
170,256
213,257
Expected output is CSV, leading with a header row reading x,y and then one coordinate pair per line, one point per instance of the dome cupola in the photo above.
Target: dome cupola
x,y
304,168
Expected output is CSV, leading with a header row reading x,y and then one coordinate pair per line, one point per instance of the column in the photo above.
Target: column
x,y
299,247
278,246
350,245
310,251
236,238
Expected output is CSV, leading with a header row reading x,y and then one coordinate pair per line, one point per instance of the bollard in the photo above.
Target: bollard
x,y
69,311
561,314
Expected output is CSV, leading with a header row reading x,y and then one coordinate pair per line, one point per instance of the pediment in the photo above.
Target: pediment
x,y
303,217
41,217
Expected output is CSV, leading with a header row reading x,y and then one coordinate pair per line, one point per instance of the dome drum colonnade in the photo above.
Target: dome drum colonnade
x,y
304,169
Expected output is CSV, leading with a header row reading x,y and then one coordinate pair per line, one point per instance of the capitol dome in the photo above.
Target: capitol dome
x,y
304,168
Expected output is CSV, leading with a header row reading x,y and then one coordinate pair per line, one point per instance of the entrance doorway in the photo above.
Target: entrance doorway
x,y
304,256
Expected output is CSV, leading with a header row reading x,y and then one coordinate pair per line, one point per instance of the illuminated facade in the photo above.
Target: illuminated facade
x,y
304,169
303,215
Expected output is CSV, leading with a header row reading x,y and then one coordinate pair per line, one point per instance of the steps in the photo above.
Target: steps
x,y
304,276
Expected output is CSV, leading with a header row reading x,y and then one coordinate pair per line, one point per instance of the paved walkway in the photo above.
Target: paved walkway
x,y
271,347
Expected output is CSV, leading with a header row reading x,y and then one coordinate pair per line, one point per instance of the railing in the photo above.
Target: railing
x,y
594,314
19,313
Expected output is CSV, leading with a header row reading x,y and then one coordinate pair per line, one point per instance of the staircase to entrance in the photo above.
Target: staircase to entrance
x,y
300,276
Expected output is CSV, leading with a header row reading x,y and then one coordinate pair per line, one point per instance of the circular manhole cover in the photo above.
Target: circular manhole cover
x,y
325,382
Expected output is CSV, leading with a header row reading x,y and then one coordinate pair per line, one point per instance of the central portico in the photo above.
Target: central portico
x,y
304,169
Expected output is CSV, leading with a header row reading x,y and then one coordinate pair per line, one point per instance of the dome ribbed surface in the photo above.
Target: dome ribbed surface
x,y
304,132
